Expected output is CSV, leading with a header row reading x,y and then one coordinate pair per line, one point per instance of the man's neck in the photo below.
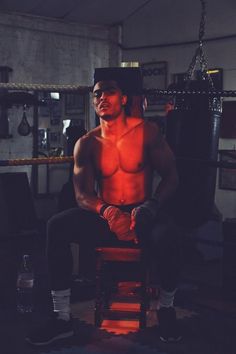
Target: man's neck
x,y
113,129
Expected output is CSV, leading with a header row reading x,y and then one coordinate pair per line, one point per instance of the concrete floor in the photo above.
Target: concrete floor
x,y
205,310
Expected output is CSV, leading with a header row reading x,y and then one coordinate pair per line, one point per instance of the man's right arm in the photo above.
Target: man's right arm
x,y
84,176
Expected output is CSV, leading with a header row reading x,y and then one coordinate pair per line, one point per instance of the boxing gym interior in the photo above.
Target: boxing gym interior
x,y
185,51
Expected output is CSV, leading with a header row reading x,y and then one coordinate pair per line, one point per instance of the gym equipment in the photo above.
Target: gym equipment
x,y
192,132
24,128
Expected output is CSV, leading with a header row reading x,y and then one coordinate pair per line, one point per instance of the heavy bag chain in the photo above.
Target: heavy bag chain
x,y
199,54
206,82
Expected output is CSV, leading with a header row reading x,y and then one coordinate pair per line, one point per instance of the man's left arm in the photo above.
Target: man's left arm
x,y
162,160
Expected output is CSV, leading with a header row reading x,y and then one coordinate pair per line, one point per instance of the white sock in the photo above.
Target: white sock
x,y
61,303
166,298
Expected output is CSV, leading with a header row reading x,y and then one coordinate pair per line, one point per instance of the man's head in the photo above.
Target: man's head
x,y
127,80
108,99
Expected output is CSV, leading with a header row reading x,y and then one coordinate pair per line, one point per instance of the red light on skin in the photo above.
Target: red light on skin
x,y
121,162
121,153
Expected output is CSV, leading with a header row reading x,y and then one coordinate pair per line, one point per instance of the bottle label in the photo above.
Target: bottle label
x,y
25,281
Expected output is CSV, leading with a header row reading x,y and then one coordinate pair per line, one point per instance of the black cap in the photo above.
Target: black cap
x,y
129,80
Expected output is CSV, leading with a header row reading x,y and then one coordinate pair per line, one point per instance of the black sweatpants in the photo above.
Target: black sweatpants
x,y
162,245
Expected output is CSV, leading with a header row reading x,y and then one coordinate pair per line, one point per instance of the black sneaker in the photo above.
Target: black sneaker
x,y
54,329
169,331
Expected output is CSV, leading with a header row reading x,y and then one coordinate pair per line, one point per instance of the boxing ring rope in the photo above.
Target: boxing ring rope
x,y
87,89
69,159
44,87
37,161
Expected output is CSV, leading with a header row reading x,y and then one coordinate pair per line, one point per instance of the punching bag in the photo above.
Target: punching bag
x,y
193,134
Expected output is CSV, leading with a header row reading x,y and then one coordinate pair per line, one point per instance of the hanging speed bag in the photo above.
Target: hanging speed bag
x,y
193,134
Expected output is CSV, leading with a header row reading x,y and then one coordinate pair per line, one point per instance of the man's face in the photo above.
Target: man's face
x,y
108,99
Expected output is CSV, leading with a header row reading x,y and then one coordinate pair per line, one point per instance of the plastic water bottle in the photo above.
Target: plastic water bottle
x,y
25,283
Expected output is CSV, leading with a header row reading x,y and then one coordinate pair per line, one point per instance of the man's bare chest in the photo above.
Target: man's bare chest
x,y
127,155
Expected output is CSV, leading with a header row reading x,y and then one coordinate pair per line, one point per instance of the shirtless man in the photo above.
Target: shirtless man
x,y
121,156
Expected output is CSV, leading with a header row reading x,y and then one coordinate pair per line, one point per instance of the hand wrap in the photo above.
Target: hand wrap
x,y
119,223
145,213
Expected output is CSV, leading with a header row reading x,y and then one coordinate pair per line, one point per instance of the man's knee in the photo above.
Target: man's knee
x,y
53,224
166,246
57,228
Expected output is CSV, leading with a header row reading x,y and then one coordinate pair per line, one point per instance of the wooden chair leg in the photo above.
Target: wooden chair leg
x,y
104,284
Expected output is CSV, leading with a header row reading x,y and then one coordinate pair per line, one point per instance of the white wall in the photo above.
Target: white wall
x,y
47,51
176,22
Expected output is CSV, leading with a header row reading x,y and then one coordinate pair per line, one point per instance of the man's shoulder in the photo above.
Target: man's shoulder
x,y
151,126
90,135
95,131
87,141
151,131
143,124
134,122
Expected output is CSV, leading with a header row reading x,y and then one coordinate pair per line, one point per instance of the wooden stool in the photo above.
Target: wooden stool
x,y
121,285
